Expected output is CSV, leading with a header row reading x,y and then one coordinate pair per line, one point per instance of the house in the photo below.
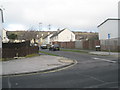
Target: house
x,y
108,34
64,35
46,39
4,36
1,28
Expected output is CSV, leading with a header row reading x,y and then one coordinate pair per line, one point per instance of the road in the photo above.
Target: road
x,y
91,71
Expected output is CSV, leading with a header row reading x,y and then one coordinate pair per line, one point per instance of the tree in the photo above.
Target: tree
x,y
12,36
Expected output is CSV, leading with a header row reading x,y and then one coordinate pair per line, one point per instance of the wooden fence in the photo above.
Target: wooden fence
x,y
10,50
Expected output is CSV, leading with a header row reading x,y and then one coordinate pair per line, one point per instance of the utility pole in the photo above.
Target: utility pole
x,y
40,26
49,27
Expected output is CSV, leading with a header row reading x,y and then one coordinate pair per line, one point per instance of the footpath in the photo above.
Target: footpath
x,y
116,54
42,63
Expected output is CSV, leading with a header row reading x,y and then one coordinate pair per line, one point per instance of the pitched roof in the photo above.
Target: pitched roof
x,y
106,21
56,34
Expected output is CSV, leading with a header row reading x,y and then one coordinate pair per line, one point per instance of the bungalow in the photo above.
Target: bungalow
x,y
64,35
108,34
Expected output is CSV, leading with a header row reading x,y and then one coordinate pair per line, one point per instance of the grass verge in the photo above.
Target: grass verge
x,y
31,55
6,59
28,56
48,53
73,51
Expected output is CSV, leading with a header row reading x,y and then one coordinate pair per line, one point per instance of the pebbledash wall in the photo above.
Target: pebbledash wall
x,y
108,35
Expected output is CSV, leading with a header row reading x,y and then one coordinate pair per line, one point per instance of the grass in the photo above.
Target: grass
x,y
28,56
73,51
48,53
6,59
31,55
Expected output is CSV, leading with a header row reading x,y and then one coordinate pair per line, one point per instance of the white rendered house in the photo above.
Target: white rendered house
x,y
109,34
64,35
46,40
108,27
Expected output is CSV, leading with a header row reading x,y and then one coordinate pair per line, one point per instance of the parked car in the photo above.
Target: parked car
x,y
54,47
43,46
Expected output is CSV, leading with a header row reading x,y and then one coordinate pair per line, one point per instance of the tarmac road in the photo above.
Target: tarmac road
x,y
91,71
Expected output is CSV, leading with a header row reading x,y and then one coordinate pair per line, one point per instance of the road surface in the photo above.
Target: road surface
x,y
91,71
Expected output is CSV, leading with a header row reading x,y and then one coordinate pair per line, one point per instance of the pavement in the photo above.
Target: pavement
x,y
42,63
116,54
105,53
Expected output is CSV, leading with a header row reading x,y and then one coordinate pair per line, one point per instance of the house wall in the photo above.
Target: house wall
x,y
47,39
1,28
109,27
4,36
66,36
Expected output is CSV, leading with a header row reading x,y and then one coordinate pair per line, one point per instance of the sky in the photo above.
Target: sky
x,y
76,15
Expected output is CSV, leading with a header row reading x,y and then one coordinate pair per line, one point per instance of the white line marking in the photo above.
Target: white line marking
x,y
95,78
105,60
107,83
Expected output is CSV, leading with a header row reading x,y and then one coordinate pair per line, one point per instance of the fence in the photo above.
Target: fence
x,y
89,44
65,44
10,50
112,44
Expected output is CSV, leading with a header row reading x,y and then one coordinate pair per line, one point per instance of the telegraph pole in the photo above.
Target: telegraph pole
x,y
40,26
49,27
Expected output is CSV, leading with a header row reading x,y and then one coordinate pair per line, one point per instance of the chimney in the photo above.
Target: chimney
x,y
58,30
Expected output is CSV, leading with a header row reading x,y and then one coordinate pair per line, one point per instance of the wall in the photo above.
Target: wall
x,y
109,27
1,28
4,36
47,39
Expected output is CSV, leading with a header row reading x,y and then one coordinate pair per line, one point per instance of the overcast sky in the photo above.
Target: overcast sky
x,y
72,14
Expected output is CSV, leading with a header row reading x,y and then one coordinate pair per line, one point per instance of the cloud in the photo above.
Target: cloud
x,y
74,14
